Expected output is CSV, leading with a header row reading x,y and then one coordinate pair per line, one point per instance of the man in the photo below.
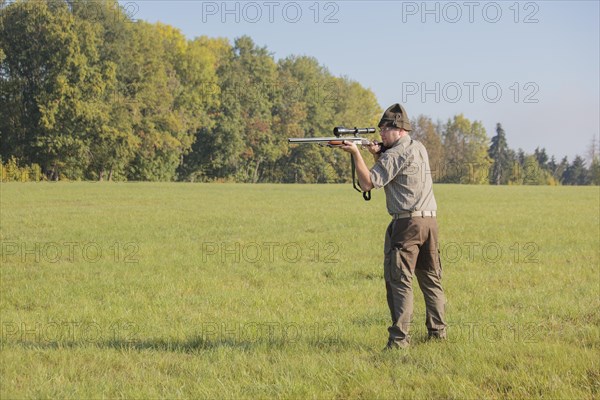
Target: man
x,y
411,240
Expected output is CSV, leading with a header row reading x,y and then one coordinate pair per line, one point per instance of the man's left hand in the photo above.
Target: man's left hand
x,y
349,147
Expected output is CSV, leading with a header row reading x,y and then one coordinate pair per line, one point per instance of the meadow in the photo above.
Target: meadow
x,y
181,290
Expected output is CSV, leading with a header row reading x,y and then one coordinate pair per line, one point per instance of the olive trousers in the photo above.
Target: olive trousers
x,y
411,249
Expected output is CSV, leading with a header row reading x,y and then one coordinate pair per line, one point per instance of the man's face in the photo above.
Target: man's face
x,y
389,135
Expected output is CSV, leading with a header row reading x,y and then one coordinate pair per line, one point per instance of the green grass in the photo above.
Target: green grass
x,y
145,290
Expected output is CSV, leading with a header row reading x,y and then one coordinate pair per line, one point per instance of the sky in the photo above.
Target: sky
x,y
533,66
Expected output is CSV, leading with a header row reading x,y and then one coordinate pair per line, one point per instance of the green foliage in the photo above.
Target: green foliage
x,y
425,130
36,79
87,93
12,172
466,151
262,104
534,173
595,172
113,143
593,158
500,155
576,173
314,102
559,170
98,94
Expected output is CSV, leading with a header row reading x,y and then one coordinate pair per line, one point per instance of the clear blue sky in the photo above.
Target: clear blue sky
x,y
532,66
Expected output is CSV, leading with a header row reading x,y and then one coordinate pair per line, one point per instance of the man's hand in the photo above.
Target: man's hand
x,y
374,148
349,147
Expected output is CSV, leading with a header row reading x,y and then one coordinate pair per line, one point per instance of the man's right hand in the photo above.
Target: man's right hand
x,y
374,148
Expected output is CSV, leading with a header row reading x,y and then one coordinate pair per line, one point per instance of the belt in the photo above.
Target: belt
x,y
414,214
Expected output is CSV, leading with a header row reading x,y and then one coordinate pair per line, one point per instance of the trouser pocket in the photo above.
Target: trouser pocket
x,y
396,265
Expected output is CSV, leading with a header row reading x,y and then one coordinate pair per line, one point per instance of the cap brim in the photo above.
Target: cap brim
x,y
386,123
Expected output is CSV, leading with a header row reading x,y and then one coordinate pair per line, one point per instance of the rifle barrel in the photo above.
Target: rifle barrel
x,y
330,140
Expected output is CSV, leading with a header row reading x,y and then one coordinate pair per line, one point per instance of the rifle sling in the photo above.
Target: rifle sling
x,y
366,195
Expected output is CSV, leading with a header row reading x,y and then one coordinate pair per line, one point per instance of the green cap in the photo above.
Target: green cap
x,y
395,116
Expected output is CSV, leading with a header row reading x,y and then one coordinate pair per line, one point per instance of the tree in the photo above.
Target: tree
x,y
196,164
552,165
315,93
594,172
534,174
561,167
114,142
593,158
593,151
50,87
541,157
161,113
576,173
218,151
257,96
426,131
466,152
314,102
499,153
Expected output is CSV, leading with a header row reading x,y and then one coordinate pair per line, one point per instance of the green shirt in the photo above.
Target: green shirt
x,y
404,173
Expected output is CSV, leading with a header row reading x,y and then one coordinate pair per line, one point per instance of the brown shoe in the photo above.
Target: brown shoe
x,y
437,335
392,345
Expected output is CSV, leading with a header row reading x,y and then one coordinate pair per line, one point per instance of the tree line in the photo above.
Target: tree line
x,y
460,152
88,94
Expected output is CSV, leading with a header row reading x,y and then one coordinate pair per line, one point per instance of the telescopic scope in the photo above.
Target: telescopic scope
x,y
340,130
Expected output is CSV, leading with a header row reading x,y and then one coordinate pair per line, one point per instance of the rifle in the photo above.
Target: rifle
x,y
338,141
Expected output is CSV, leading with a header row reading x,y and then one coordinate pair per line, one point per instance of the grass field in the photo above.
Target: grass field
x,y
148,290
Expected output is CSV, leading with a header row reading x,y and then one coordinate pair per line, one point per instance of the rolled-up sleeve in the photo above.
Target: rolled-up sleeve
x,y
385,169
